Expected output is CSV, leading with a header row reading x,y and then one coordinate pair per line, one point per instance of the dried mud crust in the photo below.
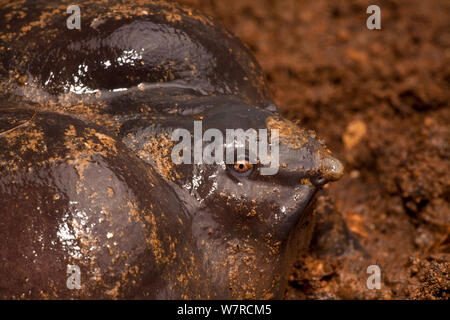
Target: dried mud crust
x,y
381,101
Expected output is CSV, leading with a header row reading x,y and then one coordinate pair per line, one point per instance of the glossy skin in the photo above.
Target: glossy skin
x,y
85,171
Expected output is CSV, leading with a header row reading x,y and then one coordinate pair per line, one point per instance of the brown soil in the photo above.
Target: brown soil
x,y
380,98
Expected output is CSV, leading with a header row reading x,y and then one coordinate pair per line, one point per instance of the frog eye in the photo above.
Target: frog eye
x,y
243,167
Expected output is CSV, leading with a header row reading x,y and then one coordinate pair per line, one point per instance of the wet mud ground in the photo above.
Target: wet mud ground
x,y
380,99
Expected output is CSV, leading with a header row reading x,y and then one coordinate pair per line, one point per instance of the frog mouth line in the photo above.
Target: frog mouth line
x,y
300,213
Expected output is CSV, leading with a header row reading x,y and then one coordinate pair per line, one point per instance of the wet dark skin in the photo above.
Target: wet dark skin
x,y
86,176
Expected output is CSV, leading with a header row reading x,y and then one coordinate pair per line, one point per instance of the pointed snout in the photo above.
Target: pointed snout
x,y
331,168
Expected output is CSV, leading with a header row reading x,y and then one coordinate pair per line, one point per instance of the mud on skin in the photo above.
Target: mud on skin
x,y
85,171
389,90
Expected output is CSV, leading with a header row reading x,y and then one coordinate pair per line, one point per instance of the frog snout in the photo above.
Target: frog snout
x,y
329,168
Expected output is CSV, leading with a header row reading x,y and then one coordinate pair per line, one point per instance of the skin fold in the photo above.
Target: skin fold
x,y
86,176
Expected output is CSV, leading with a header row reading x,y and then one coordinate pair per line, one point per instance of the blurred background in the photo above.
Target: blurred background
x,y
380,99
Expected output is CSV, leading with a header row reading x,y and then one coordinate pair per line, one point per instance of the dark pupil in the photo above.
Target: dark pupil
x,y
241,166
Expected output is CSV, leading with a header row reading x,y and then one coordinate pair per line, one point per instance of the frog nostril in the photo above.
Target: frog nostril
x,y
319,181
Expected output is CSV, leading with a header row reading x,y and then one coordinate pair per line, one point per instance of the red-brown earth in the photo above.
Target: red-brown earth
x,y
380,98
